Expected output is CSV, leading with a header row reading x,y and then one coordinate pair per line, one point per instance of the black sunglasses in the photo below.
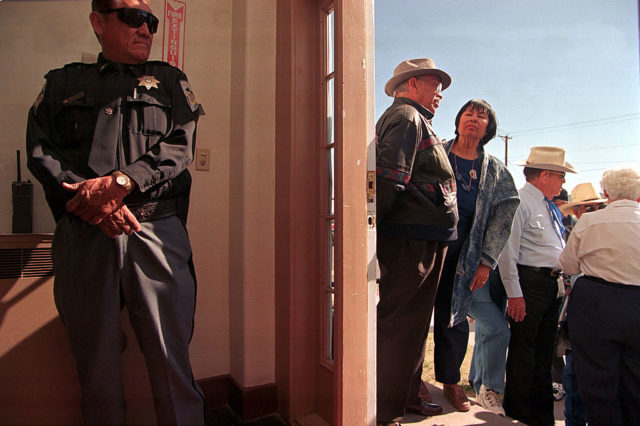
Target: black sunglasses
x,y
135,17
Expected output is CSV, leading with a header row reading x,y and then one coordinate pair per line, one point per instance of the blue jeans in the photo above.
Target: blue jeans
x,y
492,339
574,412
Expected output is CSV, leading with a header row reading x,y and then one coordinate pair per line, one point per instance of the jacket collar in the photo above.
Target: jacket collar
x,y
422,110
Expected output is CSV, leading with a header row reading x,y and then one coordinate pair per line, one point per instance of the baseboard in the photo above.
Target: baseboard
x,y
248,403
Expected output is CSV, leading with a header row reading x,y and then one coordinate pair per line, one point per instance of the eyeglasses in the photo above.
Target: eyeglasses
x,y
593,207
561,174
135,17
436,84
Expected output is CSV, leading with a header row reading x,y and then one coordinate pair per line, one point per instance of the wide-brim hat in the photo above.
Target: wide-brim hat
x,y
547,158
583,193
414,68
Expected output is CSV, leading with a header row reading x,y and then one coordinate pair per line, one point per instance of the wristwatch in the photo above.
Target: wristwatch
x,y
123,180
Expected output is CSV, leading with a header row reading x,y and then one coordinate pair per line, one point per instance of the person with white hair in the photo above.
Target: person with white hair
x,y
584,199
603,305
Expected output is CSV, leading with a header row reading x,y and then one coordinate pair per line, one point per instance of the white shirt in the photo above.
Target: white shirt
x,y
534,240
606,244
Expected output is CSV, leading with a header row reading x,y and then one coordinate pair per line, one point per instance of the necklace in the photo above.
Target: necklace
x,y
472,173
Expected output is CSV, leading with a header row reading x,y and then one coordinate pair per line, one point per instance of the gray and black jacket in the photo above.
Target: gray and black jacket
x,y
415,184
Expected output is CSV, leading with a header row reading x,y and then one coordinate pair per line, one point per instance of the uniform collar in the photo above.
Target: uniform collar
x,y
105,66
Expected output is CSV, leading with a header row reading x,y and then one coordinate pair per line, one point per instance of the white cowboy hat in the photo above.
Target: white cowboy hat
x,y
583,193
414,68
547,158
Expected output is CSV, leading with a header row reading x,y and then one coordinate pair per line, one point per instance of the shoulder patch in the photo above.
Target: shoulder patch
x,y
38,100
190,96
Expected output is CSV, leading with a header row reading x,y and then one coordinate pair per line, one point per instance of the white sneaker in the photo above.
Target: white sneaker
x,y
558,391
490,400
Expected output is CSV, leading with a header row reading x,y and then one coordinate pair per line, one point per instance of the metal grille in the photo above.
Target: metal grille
x,y
26,262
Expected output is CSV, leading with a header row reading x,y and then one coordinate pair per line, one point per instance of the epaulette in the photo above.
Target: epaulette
x,y
77,65
66,68
163,63
167,67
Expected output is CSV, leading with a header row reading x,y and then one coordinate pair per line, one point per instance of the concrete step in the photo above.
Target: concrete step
x,y
477,415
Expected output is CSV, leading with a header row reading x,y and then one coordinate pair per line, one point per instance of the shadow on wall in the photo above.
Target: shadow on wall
x,y
39,381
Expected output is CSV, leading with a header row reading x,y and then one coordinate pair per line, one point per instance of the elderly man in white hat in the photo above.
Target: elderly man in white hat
x,y
584,199
529,270
416,216
603,305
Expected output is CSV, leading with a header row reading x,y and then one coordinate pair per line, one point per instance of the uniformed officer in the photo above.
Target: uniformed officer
x,y
110,142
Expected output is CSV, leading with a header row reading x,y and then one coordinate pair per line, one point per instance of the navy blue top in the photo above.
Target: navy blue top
x,y
466,196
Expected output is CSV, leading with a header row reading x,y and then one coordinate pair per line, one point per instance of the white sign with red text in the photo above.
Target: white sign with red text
x,y
175,15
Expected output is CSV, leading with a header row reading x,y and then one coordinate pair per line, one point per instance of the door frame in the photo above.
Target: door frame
x,y
298,235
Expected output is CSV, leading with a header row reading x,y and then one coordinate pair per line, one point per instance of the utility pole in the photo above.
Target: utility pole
x,y
506,147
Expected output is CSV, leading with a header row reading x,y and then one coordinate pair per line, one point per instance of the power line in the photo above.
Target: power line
x,y
598,122
608,148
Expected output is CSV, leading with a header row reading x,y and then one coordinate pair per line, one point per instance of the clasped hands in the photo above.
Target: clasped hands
x,y
99,201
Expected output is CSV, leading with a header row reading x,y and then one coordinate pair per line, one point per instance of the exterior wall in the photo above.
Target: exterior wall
x,y
230,48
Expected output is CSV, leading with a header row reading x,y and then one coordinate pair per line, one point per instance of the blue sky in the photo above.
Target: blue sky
x,y
557,72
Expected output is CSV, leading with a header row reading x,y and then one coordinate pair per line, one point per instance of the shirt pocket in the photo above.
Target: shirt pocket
x,y
148,116
75,120
537,222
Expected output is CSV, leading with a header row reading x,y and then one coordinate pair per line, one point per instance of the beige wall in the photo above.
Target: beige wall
x,y
231,220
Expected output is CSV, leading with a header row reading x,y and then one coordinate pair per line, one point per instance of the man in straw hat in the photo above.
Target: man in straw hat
x,y
584,199
416,216
529,270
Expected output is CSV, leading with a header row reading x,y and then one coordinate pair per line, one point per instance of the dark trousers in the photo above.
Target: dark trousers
x,y
528,394
604,324
450,343
409,274
574,412
150,273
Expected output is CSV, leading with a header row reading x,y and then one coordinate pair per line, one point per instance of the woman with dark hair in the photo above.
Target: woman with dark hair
x,y
487,201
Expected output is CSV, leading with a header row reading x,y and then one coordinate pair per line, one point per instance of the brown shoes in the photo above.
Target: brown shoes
x,y
456,395
425,408
423,392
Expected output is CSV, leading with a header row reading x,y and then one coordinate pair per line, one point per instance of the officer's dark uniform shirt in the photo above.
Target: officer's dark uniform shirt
x,y
92,119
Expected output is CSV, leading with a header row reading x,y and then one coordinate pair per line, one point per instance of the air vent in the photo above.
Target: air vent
x,y
26,262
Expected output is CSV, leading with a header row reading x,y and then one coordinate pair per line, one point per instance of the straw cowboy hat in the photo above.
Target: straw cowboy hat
x,y
547,158
583,193
414,68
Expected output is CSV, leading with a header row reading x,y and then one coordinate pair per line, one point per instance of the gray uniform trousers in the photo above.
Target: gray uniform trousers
x,y
150,273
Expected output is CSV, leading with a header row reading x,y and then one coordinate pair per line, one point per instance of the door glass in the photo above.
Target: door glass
x,y
328,152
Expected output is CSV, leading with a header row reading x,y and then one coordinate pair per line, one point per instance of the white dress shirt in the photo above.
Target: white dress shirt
x,y
534,240
606,244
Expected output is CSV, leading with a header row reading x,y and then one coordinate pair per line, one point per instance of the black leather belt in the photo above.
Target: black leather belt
x,y
155,210
553,273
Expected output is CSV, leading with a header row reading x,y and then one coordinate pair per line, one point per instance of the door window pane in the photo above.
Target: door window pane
x,y
328,155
